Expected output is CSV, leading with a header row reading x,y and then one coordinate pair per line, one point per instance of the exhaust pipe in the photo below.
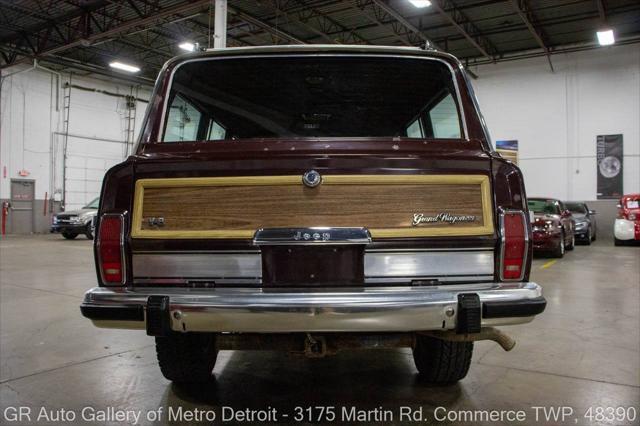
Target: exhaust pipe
x,y
486,333
323,344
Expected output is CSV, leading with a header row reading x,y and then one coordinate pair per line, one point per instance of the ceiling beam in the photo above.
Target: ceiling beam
x,y
77,39
329,25
244,16
430,44
524,12
601,11
466,27
402,20
49,22
379,23
279,12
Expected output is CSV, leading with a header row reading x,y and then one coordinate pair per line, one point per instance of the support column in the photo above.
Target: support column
x,y
220,25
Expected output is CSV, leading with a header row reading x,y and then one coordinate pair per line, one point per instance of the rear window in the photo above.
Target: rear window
x,y
311,97
577,208
543,206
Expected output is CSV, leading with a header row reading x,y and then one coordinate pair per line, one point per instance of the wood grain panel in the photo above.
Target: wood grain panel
x,y
236,207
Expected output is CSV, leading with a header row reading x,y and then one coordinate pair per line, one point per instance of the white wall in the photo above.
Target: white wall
x,y
30,121
556,116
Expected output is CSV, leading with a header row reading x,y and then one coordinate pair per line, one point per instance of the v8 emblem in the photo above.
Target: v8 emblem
x,y
156,221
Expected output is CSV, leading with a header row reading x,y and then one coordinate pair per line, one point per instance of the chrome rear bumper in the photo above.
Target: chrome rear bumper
x,y
329,310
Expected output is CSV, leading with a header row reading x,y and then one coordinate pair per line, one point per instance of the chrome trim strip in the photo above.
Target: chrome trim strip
x,y
420,250
439,278
197,282
162,252
460,108
257,281
348,310
311,236
407,264
212,266
404,265
257,251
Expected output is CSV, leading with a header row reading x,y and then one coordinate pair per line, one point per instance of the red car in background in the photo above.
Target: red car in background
x,y
627,226
553,226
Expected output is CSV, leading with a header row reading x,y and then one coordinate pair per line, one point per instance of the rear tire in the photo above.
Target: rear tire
x,y
187,357
442,362
69,235
89,231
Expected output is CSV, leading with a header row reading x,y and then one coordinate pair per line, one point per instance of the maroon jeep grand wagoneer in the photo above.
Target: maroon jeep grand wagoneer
x,y
314,199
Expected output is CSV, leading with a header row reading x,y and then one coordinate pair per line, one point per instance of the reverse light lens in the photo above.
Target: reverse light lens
x,y
514,245
606,37
124,67
110,250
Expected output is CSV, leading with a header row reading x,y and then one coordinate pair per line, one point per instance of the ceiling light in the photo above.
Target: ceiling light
x,y
420,3
606,37
189,47
124,67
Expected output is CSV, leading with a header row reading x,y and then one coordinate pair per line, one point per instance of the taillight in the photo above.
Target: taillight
x,y
110,249
514,245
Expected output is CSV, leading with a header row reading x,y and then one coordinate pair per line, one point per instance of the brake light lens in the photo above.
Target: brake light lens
x,y
110,249
514,245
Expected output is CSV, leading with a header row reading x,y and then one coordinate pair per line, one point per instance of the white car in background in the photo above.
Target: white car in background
x,y
627,226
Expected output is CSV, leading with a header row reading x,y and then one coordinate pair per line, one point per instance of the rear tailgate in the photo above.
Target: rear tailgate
x,y
429,210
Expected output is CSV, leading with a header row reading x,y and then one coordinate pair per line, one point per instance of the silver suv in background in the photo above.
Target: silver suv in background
x,y
585,230
72,223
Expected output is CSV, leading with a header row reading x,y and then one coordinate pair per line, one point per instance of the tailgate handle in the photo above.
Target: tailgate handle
x,y
311,236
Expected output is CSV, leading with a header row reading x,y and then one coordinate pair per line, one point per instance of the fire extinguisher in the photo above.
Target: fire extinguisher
x,y
5,212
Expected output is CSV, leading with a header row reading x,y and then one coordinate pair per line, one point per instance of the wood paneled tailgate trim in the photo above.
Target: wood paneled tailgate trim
x,y
484,227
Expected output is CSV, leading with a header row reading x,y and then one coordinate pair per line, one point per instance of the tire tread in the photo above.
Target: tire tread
x,y
442,362
187,358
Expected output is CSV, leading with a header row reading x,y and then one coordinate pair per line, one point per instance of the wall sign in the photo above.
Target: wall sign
x,y
609,164
508,150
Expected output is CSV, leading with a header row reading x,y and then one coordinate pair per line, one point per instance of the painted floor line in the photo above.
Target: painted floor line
x,y
566,376
71,364
548,264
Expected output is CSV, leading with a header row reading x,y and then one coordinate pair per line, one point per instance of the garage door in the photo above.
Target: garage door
x,y
85,166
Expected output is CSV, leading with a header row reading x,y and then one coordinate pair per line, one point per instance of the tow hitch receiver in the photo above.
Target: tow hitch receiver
x,y
315,347
469,313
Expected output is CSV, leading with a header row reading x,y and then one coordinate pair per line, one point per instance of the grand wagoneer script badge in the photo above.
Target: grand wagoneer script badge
x,y
420,218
